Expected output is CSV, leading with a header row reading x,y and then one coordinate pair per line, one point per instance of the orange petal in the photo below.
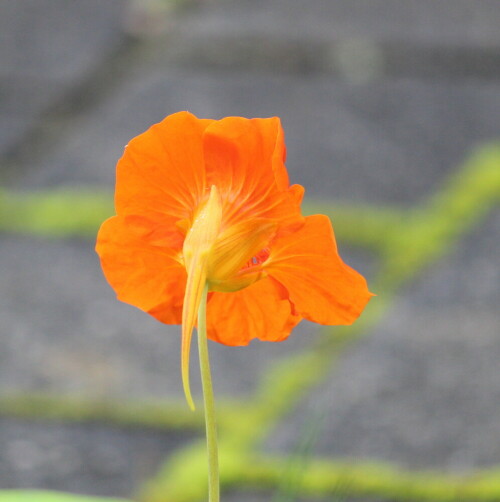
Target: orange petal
x,y
139,260
269,128
321,286
163,168
260,311
245,159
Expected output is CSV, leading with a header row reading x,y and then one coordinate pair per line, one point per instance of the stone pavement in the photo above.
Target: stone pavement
x,y
381,101
48,48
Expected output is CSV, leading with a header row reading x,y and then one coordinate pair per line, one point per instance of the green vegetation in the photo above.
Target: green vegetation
x,y
405,242
55,213
43,496
158,415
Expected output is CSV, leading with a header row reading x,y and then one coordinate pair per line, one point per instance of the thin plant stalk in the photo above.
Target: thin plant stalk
x,y
209,404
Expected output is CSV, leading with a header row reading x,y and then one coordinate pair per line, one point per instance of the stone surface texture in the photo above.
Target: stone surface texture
x,y
364,125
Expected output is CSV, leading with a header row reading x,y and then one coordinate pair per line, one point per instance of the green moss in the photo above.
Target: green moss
x,y
45,496
363,226
161,415
56,213
323,478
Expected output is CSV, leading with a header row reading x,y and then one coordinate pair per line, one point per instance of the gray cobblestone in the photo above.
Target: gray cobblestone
x,y
377,109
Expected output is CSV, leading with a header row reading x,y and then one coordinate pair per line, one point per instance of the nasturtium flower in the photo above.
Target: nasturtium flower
x,y
203,201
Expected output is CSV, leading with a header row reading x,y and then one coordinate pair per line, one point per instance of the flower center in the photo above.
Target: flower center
x,y
258,259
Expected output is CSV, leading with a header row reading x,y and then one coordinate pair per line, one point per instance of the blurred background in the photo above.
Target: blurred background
x,y
391,111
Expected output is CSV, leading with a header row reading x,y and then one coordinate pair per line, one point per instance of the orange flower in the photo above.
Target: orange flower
x,y
203,201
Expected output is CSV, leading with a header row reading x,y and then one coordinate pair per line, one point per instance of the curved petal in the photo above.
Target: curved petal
x,y
321,286
245,160
272,127
260,311
139,258
163,169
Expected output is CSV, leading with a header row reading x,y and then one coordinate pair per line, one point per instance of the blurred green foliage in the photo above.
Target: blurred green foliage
x,y
43,496
55,213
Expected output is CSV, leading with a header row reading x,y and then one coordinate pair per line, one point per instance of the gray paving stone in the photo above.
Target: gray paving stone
x,y
56,38
390,142
88,459
449,22
421,393
47,47
21,102
468,277
11,129
423,390
357,39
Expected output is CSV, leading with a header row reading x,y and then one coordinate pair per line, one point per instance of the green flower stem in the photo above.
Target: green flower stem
x,y
208,396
